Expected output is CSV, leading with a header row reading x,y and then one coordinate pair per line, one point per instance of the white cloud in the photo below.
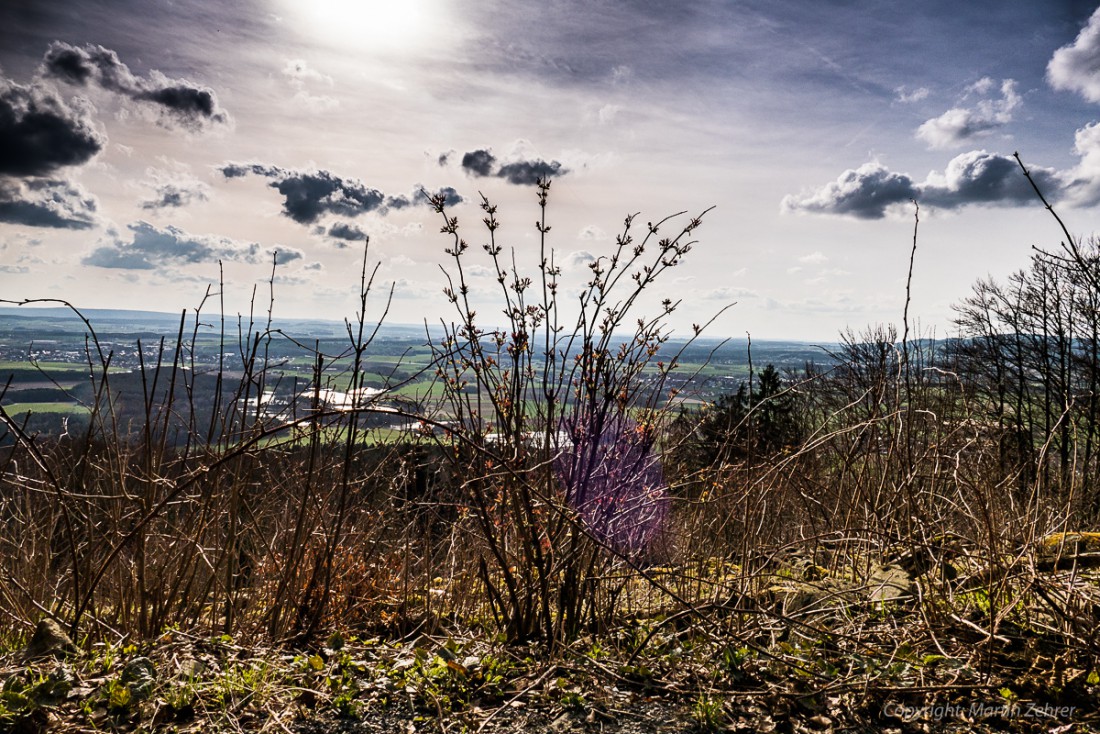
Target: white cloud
x,y
960,125
981,87
726,293
1082,185
298,72
905,95
814,258
973,178
315,104
592,233
152,247
608,113
578,259
480,271
1076,67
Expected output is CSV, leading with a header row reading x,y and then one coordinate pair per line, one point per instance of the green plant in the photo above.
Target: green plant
x,y
707,712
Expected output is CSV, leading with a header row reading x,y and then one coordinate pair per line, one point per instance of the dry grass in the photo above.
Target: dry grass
x,y
894,534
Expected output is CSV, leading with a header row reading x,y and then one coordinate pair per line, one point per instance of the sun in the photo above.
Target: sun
x,y
367,24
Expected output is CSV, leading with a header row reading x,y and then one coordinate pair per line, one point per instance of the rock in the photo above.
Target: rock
x,y
889,583
139,674
49,640
1065,550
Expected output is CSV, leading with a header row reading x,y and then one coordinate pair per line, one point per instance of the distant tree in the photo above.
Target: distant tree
x,y
755,420
1028,359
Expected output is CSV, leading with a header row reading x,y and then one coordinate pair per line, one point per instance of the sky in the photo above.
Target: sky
x,y
151,150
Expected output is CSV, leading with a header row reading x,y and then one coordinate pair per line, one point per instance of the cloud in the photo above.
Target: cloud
x,y
865,193
308,195
593,233
480,271
152,247
39,133
315,104
519,171
174,194
450,196
529,172
578,259
607,114
726,293
346,231
977,177
1082,182
297,72
1076,67
621,74
239,170
908,96
178,102
479,162
421,196
46,203
960,125
814,258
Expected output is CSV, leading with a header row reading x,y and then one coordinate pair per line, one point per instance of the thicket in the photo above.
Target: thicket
x,y
559,491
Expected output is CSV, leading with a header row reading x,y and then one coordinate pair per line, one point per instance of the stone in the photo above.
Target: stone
x,y
49,640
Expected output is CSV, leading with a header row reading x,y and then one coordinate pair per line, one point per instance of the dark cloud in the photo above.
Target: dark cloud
x,y
179,102
176,194
422,197
346,231
239,170
451,197
192,107
865,192
152,247
974,178
479,162
309,195
529,172
39,133
978,177
520,172
46,203
445,158
400,201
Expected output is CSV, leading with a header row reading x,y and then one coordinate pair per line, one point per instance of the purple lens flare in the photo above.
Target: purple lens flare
x,y
613,478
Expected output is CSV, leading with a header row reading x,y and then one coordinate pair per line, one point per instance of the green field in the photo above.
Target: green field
x,y
68,408
11,364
